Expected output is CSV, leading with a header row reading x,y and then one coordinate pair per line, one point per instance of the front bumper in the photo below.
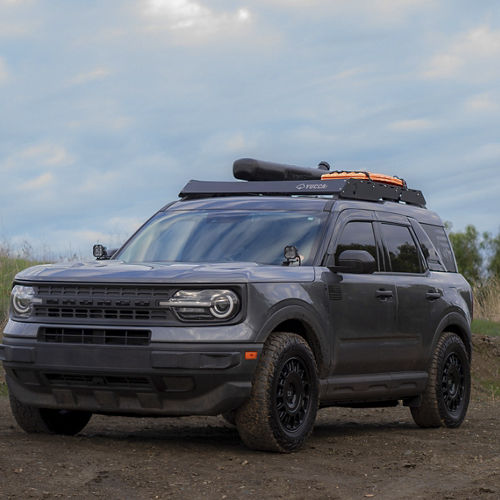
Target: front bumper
x,y
170,379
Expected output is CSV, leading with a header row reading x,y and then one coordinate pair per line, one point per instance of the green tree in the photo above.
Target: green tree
x,y
466,246
492,246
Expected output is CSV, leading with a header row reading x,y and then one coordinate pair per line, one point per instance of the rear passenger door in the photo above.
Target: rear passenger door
x,y
363,306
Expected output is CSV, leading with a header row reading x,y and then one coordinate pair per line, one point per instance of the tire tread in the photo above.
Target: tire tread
x,y
429,414
253,419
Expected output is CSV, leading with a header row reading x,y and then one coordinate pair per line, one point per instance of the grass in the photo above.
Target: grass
x,y
491,388
487,300
486,327
10,265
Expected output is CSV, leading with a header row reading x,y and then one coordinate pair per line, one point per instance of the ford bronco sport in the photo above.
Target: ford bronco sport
x,y
262,299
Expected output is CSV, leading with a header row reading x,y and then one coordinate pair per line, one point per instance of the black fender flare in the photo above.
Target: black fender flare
x,y
459,324
315,332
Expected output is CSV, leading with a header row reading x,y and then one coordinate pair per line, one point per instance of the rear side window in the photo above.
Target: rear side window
x,y
403,253
430,253
440,240
357,236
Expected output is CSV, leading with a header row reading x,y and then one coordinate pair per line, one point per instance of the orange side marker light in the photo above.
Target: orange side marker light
x,y
251,354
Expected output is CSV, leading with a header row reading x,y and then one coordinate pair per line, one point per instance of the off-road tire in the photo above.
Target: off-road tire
x,y
280,413
446,397
46,420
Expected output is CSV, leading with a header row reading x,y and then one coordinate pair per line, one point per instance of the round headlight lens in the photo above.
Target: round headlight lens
x,y
224,305
22,300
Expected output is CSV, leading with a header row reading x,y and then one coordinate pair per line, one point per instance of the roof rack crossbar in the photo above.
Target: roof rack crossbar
x,y
342,188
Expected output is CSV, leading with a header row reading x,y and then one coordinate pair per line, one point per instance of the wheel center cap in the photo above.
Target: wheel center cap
x,y
293,392
453,378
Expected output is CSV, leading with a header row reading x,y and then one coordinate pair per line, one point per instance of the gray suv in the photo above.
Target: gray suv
x,y
261,299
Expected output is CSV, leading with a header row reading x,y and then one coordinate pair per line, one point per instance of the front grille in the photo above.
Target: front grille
x,y
97,303
94,336
87,380
108,313
47,290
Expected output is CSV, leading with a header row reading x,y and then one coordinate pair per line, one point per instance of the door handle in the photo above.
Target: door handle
x,y
383,294
433,294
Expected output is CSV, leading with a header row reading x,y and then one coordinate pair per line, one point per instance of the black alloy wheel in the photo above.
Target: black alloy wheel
x,y
293,394
453,383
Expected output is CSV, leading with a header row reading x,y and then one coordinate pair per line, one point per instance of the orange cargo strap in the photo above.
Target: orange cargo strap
x,y
387,179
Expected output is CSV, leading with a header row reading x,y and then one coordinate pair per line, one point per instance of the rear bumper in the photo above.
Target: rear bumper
x,y
158,379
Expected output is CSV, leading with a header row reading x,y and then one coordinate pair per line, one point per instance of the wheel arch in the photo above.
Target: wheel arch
x,y
298,318
456,323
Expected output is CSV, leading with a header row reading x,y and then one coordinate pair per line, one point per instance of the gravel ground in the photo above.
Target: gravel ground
x,y
351,454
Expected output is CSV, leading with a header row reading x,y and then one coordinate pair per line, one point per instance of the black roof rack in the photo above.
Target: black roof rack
x,y
354,189
267,178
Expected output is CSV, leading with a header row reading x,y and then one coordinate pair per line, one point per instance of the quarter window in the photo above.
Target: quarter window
x,y
403,253
438,236
357,236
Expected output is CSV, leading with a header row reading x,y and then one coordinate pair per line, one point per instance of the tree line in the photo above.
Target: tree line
x,y
477,254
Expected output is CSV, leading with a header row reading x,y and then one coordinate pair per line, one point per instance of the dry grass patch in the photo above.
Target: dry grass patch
x,y
487,300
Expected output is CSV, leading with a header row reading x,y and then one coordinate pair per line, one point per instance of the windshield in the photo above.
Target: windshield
x,y
222,236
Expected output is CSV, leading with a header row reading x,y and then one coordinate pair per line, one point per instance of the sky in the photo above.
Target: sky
x,y
108,108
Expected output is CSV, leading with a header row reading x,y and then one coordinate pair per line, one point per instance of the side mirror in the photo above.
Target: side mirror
x,y
356,262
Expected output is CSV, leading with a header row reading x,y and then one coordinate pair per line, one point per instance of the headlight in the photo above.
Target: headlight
x,y
204,304
22,300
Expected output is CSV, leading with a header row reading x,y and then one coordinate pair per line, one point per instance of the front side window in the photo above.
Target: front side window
x,y
225,236
357,236
403,253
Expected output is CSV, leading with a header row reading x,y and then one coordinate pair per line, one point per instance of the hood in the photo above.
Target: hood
x,y
119,272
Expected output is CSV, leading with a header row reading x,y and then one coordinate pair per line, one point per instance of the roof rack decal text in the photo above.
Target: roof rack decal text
x,y
301,187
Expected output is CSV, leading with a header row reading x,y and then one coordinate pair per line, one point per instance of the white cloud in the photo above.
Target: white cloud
x,y
44,154
414,125
90,76
13,2
4,73
474,54
40,182
13,19
396,10
182,13
192,16
481,103
13,30
376,11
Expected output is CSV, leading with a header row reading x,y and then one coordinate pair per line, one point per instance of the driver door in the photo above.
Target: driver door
x,y
364,307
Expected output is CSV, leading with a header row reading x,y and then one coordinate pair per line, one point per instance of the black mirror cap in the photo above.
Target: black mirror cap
x,y
355,262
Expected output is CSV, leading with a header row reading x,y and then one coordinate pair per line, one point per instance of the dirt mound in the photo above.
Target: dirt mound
x,y
486,367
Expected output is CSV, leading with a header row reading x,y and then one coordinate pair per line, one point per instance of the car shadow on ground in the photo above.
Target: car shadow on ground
x,y
216,433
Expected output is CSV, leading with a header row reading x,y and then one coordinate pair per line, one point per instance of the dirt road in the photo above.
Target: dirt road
x,y
352,454
376,453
